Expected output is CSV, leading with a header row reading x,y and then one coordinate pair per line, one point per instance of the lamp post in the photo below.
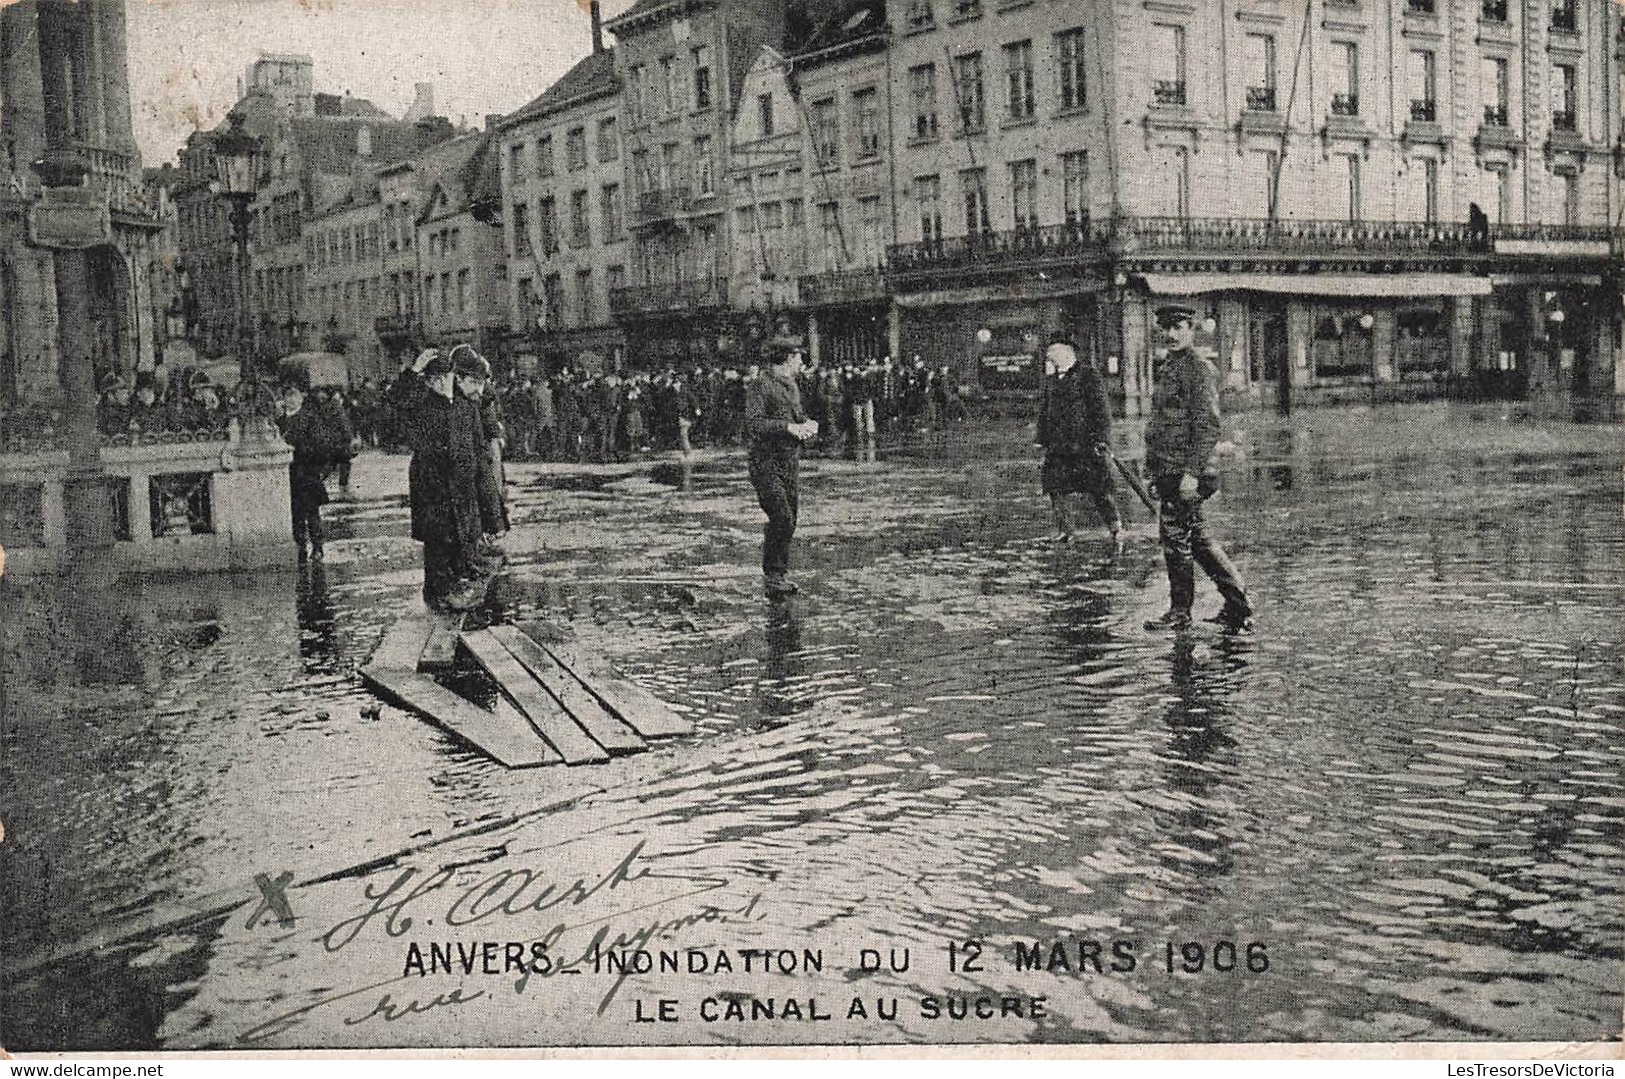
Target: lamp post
x,y
237,162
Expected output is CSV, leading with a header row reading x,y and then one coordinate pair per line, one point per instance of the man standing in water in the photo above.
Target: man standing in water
x,y
777,426
1075,429
1179,442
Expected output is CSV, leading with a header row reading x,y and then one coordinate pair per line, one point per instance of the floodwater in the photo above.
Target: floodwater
x,y
1393,812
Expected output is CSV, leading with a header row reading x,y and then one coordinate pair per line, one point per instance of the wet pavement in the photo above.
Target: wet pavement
x,y
1401,796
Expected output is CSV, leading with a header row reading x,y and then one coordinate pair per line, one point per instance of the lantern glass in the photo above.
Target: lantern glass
x,y
236,160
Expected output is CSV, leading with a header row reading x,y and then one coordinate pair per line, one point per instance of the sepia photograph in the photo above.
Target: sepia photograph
x,y
812,525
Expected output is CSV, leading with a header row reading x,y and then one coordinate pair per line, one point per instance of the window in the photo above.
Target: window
x,y
1497,201
1564,96
553,300
609,211
1424,108
634,95
772,216
745,220
1345,56
1568,194
1496,88
1260,60
544,156
1430,190
1075,186
928,194
580,225
764,115
668,84
516,160
829,220
1168,64
922,87
866,121
455,234
584,298
445,294
642,179
919,15
1563,17
1171,175
705,179
547,221
873,237
462,290
1018,73
1349,198
967,73
1024,193
1074,83
702,77
527,297
616,278
1342,346
671,166
973,185
609,141
575,148
826,133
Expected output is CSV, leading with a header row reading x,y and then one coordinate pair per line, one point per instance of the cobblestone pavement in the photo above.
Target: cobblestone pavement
x,y
1403,790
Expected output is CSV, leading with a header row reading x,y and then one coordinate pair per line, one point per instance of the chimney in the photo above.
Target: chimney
x,y
422,102
597,29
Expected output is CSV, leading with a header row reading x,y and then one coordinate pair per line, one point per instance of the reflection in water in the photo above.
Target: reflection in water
x,y
784,664
318,643
1200,754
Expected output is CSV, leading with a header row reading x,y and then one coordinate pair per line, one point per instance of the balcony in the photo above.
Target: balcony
x,y
1563,120
1495,116
1066,245
1420,7
1260,99
662,204
1424,110
394,327
668,299
1168,92
116,173
1494,11
846,286
1263,239
1564,20
1346,104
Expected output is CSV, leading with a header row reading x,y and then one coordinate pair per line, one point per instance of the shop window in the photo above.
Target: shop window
x,y
1422,346
1342,344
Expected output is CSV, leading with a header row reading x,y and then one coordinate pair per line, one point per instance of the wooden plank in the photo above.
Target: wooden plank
x,y
440,652
547,715
608,731
631,703
402,645
512,744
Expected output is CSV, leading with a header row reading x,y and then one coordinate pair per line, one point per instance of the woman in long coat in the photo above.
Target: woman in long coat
x,y
449,480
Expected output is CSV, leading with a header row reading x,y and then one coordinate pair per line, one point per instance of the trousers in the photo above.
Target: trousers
x,y
446,560
307,521
776,478
1186,545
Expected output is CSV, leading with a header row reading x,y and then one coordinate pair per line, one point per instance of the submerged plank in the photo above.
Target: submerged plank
x,y
634,705
513,744
548,716
588,711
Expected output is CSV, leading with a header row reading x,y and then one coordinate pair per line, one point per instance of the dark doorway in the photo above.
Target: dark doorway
x,y
1266,336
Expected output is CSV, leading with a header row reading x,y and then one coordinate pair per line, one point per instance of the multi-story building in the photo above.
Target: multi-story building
x,y
460,251
1311,187
682,65
64,95
344,277
565,215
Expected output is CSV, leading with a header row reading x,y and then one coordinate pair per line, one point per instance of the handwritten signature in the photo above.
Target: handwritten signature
x,y
507,893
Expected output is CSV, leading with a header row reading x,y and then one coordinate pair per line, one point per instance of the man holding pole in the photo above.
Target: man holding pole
x,y
1179,442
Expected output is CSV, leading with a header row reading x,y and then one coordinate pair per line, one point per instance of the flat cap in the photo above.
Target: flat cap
x,y
1172,314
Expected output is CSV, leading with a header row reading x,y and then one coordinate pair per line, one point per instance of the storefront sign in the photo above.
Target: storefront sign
x,y
1007,371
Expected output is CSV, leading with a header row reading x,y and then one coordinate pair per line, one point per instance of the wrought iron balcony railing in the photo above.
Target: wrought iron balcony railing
x,y
1495,10
1424,110
1263,237
1168,92
663,203
996,250
843,286
1260,99
1420,7
1564,20
701,293
1563,120
1495,115
1346,104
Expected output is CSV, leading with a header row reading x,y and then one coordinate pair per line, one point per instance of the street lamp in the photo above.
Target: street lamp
x,y
237,157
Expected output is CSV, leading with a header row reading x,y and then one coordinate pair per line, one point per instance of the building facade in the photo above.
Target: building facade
x,y
565,217
460,253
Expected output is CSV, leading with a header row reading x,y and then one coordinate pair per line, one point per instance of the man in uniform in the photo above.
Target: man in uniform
x,y
777,426
1075,428
1179,443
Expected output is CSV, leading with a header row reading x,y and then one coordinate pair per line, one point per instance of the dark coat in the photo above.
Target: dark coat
x,y
772,404
1184,425
1074,426
317,444
450,478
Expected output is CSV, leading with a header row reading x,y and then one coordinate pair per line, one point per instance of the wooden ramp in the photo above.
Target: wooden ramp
x,y
565,706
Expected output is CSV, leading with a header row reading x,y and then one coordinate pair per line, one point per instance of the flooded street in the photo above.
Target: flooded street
x,y
1401,796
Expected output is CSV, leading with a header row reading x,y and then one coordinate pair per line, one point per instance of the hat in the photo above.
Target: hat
x,y
200,381
466,361
1171,315
779,348
438,364
113,381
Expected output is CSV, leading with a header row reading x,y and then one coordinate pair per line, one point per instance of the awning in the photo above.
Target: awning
x,y
1346,284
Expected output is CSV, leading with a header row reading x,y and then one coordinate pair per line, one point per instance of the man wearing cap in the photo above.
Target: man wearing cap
x,y
309,432
777,426
1075,427
449,478
1179,442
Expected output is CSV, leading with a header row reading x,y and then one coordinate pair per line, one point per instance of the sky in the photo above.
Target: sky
x,y
484,56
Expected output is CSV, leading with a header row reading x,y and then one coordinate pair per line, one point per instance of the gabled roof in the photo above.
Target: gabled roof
x,y
591,78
